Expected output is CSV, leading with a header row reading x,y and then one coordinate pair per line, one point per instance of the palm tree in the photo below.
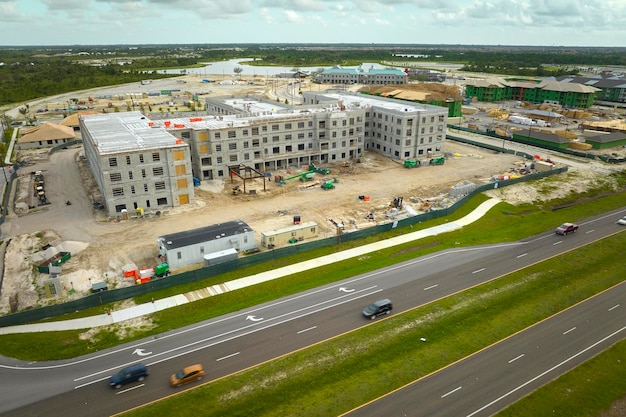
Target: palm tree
x,y
25,111
238,71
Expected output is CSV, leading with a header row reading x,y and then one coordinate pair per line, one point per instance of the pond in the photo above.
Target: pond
x,y
228,68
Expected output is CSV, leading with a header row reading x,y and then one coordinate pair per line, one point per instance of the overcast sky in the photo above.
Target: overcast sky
x,y
484,22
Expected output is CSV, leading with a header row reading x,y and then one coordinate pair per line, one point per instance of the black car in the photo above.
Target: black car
x,y
137,372
378,308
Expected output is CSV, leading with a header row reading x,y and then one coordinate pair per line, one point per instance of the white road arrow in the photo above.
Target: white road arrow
x,y
253,318
345,289
141,352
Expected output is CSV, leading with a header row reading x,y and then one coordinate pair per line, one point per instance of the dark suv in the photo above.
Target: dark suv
x,y
378,308
137,372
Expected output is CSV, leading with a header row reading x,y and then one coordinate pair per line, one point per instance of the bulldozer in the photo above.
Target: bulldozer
x,y
236,190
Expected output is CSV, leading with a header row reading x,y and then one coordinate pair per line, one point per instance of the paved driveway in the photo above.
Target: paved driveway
x,y
62,183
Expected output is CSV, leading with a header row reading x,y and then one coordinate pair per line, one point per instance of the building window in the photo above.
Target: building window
x,y
246,144
287,137
141,158
276,150
143,173
255,130
245,132
145,188
264,128
232,146
233,158
218,135
117,192
246,156
112,162
275,128
159,185
232,134
162,201
287,126
130,175
255,142
300,125
132,189
157,172
179,255
156,156
219,159
275,138
218,148
127,159
115,177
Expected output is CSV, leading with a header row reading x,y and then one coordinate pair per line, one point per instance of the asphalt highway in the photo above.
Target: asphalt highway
x,y
245,338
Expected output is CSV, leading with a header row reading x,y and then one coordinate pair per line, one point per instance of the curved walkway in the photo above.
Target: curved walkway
x,y
176,300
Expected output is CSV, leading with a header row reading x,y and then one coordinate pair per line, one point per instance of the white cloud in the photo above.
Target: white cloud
x,y
563,22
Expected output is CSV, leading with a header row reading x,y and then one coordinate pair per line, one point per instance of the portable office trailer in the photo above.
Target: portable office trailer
x,y
189,247
292,234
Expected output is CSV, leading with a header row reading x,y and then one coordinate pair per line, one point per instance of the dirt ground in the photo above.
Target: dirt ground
x,y
102,248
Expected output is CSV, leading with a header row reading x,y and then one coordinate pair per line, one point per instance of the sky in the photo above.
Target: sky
x,y
464,22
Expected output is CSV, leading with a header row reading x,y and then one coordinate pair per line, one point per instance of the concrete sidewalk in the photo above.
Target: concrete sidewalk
x,y
176,300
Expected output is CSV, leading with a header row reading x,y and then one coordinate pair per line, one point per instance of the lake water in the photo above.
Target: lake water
x,y
225,68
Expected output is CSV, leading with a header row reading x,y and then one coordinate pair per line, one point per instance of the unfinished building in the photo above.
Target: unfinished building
x,y
136,165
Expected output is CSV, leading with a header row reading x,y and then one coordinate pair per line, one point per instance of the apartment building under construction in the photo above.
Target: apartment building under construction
x,y
150,163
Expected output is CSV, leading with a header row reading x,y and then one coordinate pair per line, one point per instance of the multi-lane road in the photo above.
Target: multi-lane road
x,y
476,386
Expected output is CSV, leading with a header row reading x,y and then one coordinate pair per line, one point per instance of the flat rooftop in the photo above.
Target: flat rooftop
x,y
204,234
362,100
127,132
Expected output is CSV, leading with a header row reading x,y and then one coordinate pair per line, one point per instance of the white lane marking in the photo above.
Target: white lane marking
x,y
557,243
614,307
516,358
227,356
570,330
478,270
522,255
451,392
431,287
589,231
558,365
306,330
130,389
365,293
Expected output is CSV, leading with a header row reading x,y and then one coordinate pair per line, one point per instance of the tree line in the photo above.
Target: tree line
x,y
27,73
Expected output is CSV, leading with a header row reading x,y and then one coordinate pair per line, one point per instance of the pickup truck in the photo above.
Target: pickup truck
x,y
566,229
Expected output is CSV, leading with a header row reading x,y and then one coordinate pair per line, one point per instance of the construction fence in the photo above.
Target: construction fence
x,y
208,275
528,141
